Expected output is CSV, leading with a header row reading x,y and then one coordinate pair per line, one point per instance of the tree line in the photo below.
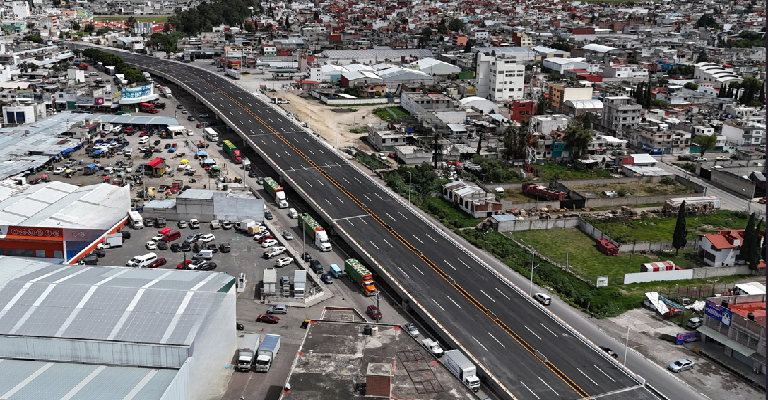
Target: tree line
x,y
207,15
107,59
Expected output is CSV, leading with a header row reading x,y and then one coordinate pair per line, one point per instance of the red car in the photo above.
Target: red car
x,y
158,263
262,240
268,318
184,265
373,312
142,134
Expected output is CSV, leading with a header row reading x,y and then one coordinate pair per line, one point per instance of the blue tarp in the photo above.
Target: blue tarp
x,y
67,151
91,166
97,152
202,153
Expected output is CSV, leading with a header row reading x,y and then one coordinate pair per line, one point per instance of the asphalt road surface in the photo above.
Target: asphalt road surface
x,y
525,349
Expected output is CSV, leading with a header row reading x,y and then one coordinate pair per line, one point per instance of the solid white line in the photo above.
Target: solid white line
x,y
449,264
465,264
545,327
374,245
609,377
390,245
497,340
417,238
453,301
582,372
402,215
550,387
534,333
487,295
502,293
478,342
417,269
393,218
529,389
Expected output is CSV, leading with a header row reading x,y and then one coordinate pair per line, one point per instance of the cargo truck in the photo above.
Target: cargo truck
x,y
299,283
270,282
149,108
232,151
433,347
267,352
316,232
233,73
360,275
113,240
245,224
276,191
462,368
246,353
136,221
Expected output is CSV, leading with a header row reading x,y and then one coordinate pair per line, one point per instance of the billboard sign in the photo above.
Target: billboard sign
x,y
135,95
681,338
719,313
602,281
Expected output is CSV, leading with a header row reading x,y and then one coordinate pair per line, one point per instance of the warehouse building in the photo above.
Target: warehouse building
x,y
57,220
77,332
207,205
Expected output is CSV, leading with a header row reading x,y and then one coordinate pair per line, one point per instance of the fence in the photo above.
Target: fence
x,y
634,247
535,224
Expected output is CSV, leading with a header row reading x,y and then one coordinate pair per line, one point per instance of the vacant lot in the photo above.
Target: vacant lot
x,y
661,229
391,114
589,263
640,188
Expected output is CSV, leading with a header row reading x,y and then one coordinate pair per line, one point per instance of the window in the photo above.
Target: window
x,y
40,253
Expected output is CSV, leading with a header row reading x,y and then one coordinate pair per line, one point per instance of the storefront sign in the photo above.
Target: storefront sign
x,y
31,232
686,337
719,313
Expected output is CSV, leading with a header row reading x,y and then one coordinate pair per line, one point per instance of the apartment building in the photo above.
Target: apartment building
x,y
620,113
559,94
744,135
625,71
709,131
655,140
499,78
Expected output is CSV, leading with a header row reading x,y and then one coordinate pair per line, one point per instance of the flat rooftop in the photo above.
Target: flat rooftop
x,y
336,357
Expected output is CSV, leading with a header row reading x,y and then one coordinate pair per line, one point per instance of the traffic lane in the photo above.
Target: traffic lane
x,y
327,196
482,338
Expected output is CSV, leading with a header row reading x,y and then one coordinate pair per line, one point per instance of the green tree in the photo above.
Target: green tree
x,y
541,106
468,46
680,235
702,57
75,26
442,28
746,245
134,76
515,140
455,25
705,143
89,28
578,138
424,37
587,120
706,21
691,86
131,21
723,91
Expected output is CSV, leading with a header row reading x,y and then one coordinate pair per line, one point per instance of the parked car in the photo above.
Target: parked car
x,y
268,215
186,246
182,224
278,309
681,365
207,238
162,245
542,298
193,237
410,329
265,238
694,323
224,248
175,247
226,225
59,170
373,312
207,266
700,159
158,263
194,224
151,245
283,261
184,264
269,243
268,318
212,247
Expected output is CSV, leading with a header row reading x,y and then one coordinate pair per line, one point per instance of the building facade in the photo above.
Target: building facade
x,y
620,113
499,78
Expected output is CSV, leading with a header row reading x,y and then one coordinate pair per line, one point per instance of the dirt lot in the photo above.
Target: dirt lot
x,y
327,123
644,188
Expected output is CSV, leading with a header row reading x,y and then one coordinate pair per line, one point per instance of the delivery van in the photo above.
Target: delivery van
x,y
142,261
335,271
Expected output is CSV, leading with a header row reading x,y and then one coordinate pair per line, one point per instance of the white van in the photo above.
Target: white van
x,y
141,261
292,213
203,255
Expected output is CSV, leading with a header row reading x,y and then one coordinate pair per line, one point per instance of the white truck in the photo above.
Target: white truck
x,y
462,368
111,241
246,353
267,352
299,283
136,221
233,73
245,224
211,135
270,281
433,347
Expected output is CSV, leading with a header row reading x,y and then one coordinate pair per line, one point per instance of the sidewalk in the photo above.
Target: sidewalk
x,y
714,353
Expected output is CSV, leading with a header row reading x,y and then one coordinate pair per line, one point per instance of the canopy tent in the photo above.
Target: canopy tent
x,y
185,161
209,161
201,153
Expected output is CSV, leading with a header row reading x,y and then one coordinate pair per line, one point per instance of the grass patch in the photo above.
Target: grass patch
x,y
370,161
588,262
391,114
551,172
449,214
125,17
689,166
661,229
359,130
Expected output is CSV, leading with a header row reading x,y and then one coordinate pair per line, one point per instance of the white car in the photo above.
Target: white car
x,y
144,140
283,261
59,170
722,158
151,245
410,329
269,243
207,238
157,238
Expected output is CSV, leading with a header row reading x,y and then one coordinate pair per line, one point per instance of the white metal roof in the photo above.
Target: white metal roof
x,y
599,48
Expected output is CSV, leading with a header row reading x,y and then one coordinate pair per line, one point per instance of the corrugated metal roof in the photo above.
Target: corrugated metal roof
x,y
393,55
110,304
138,120
59,204
81,381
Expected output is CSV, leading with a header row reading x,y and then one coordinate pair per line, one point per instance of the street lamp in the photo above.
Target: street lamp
x,y
533,256
409,187
626,343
